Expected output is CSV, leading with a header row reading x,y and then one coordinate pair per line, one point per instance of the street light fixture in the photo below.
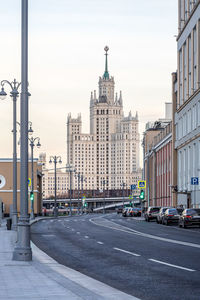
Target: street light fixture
x,y
32,144
55,160
14,85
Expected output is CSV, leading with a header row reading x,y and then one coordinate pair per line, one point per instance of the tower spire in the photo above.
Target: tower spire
x,y
106,74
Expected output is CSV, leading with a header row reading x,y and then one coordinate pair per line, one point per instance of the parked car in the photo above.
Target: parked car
x,y
151,213
171,215
124,211
161,214
119,209
189,217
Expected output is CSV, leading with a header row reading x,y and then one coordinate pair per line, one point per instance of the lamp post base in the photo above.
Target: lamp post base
x,y
14,221
22,251
32,216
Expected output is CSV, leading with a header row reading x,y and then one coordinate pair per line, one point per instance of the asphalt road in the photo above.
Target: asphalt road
x,y
146,260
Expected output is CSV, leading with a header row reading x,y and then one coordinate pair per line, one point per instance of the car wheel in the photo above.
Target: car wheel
x,y
157,221
179,224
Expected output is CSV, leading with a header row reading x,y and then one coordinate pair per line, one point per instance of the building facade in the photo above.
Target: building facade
x,y
157,144
6,185
187,112
108,156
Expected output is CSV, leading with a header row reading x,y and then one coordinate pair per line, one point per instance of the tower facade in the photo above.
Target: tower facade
x,y
109,155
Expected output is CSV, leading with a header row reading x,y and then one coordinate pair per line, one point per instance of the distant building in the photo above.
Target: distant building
x,y
157,147
6,184
187,104
109,155
48,180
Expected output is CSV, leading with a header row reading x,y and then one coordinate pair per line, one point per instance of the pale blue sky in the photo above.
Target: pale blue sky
x,y
66,57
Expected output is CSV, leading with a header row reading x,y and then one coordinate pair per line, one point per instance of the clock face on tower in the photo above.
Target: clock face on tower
x,y
2,181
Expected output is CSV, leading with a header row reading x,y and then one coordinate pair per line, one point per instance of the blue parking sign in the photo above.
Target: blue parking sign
x,y
194,180
133,186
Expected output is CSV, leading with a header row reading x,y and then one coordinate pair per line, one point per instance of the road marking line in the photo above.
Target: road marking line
x,y
78,232
128,252
87,237
132,231
100,243
170,265
73,229
48,235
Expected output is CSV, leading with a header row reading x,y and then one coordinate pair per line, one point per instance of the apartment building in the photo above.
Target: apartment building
x,y
108,156
187,100
157,143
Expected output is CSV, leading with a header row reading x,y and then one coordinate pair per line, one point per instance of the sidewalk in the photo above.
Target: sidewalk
x,y
45,279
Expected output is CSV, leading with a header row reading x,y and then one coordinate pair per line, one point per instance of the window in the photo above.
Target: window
x,y
181,76
189,64
185,72
195,59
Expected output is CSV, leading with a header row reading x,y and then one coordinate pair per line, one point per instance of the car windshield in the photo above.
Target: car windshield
x,y
172,211
193,212
155,209
164,209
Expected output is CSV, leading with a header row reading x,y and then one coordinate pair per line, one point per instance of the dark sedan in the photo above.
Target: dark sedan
x,y
161,214
190,217
171,215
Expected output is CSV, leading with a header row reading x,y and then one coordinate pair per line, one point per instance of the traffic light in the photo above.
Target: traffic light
x,y
141,195
31,196
85,204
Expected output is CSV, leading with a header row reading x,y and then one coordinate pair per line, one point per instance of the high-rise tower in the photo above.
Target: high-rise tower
x,y
109,155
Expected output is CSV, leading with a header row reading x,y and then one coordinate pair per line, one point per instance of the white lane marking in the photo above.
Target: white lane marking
x,y
59,220
100,243
73,229
170,265
48,235
78,232
86,236
128,252
131,231
52,220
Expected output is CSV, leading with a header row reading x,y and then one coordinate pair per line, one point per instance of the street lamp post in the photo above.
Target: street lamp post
x,y
22,251
70,170
78,177
123,185
55,160
14,94
32,144
82,179
104,182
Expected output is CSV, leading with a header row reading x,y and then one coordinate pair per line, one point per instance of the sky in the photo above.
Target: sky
x,y
66,58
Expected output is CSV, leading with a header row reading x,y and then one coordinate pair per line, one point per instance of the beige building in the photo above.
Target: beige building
x,y
109,155
6,184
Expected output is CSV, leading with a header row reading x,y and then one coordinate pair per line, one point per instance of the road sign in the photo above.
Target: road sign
x,y
131,197
29,181
194,180
133,186
142,184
